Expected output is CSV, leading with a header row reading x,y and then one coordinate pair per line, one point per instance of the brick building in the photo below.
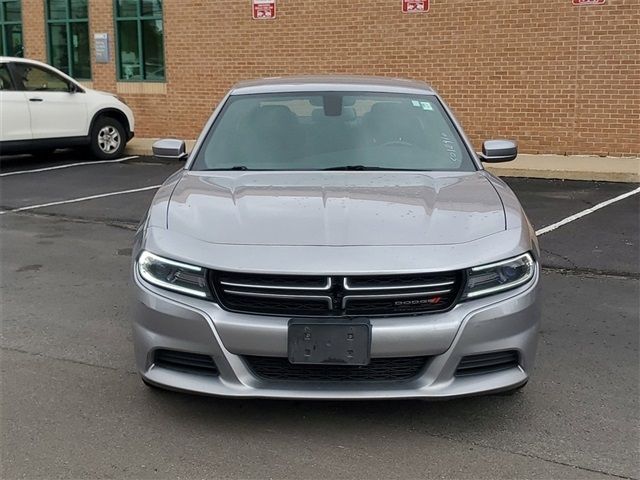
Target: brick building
x,y
557,77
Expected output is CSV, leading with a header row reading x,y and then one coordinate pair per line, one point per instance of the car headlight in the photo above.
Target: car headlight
x,y
172,275
499,276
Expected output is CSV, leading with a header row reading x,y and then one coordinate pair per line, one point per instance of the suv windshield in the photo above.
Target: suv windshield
x,y
333,131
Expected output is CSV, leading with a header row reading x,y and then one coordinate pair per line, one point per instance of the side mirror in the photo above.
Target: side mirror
x,y
495,151
73,88
170,148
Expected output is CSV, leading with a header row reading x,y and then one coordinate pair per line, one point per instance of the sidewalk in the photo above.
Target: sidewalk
x,y
572,167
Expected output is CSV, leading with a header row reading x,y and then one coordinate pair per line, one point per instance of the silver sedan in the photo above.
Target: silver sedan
x,y
335,238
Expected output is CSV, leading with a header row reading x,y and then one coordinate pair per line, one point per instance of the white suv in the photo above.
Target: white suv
x,y
42,109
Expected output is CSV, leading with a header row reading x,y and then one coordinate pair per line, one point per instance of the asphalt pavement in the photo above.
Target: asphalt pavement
x,y
72,405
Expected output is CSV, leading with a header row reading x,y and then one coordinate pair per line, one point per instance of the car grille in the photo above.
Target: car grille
x,y
487,363
378,370
336,296
185,362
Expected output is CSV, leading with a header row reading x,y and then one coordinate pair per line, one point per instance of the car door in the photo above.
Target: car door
x,y
56,110
15,119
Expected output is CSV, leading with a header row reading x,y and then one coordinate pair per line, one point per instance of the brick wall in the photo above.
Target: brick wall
x,y
33,29
558,78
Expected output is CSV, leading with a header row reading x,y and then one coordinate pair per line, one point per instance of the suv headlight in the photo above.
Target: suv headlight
x,y
172,275
499,276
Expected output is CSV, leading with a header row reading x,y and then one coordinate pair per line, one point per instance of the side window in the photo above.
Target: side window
x,y
5,78
37,79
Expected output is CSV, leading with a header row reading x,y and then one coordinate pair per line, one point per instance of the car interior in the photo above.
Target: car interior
x,y
309,133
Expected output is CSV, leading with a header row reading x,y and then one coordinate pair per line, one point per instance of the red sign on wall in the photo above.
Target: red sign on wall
x,y
415,6
264,9
588,2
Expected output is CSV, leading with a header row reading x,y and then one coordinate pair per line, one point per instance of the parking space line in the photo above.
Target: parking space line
x,y
583,213
81,199
67,165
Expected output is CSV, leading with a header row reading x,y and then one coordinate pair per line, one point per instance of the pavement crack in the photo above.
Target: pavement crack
x,y
125,224
528,455
566,259
592,273
69,360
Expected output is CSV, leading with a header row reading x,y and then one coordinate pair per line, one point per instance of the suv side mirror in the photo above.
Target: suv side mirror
x,y
170,148
495,151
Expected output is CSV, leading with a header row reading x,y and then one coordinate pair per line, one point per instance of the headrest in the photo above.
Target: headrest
x,y
275,113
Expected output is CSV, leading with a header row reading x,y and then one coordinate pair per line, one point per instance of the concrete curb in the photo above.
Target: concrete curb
x,y
563,167
570,167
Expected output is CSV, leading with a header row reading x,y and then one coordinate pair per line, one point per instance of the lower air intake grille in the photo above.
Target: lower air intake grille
x,y
185,362
378,370
487,363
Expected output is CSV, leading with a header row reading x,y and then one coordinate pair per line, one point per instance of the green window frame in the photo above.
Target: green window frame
x,y
68,42
139,29
11,37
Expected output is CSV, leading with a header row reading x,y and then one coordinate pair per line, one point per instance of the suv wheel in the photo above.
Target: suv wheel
x,y
107,138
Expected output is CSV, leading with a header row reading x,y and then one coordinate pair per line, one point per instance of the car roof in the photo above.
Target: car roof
x,y
332,83
20,59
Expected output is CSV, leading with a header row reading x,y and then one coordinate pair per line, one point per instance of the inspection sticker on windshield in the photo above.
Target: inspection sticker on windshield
x,y
423,105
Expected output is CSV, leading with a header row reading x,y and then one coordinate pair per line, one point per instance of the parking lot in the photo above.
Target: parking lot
x,y
72,405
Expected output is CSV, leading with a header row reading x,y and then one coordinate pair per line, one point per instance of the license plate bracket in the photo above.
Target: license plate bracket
x,y
312,341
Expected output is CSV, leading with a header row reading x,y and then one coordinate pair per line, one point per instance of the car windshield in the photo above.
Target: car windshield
x,y
333,131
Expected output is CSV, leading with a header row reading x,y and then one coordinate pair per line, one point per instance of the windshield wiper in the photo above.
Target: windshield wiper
x,y
236,167
361,168
350,167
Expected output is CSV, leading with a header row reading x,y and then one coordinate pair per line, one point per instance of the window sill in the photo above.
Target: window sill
x,y
145,88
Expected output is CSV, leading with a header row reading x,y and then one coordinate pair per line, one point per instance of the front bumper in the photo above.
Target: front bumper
x,y
508,321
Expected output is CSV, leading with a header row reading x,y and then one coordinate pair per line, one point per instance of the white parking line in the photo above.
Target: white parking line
x,y
67,165
81,199
581,214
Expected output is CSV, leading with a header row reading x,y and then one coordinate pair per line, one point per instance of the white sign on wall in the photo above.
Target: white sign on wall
x,y
101,47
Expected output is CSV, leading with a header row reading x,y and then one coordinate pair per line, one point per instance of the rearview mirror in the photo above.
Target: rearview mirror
x,y
170,148
495,151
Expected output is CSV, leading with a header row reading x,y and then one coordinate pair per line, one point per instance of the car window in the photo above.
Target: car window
x,y
37,79
5,78
329,130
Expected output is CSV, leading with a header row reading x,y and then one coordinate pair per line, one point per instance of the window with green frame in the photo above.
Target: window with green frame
x,y
139,40
11,28
68,37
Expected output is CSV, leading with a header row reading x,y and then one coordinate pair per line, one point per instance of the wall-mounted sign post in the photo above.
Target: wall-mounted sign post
x,y
101,47
264,9
415,6
588,2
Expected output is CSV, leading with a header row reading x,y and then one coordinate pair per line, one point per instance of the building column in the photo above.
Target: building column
x,y
101,21
33,30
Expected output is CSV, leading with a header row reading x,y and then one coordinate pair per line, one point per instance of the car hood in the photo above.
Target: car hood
x,y
335,208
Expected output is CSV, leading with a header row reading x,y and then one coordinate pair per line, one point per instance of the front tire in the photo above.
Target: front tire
x,y
107,138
